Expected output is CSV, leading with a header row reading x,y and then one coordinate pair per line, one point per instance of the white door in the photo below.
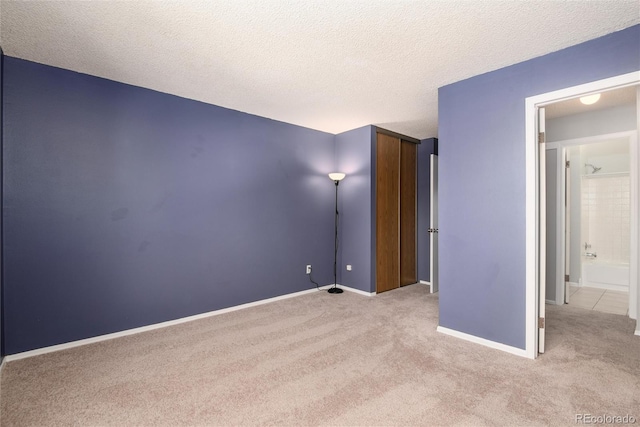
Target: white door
x,y
567,225
542,206
433,224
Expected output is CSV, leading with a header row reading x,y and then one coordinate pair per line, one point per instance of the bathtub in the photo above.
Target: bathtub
x,y
605,275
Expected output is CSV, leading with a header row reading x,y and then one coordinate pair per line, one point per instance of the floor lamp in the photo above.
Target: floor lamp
x,y
336,177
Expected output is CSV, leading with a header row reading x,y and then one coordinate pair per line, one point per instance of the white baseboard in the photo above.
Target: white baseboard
x,y
482,341
349,289
78,343
550,301
424,282
357,291
637,332
4,360
606,286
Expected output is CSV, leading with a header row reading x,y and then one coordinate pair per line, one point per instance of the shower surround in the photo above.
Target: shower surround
x,y
606,230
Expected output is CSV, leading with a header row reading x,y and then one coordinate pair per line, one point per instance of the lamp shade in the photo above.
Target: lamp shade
x,y
336,176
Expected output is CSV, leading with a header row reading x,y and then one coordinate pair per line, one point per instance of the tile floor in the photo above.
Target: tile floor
x,y
615,302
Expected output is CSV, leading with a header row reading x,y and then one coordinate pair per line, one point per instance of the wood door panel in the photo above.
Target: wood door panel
x,y
408,218
387,213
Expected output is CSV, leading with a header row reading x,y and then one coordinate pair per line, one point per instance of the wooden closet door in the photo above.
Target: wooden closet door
x,y
408,216
387,213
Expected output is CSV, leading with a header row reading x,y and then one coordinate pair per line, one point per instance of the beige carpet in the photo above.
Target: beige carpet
x,y
324,359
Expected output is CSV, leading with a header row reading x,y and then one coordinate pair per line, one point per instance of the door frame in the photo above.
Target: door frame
x,y
533,194
566,191
561,243
433,223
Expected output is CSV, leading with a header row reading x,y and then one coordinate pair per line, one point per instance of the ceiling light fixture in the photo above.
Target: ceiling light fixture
x,y
590,99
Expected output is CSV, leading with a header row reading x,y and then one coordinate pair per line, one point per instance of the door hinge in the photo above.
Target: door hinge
x,y
541,322
566,277
541,137
567,164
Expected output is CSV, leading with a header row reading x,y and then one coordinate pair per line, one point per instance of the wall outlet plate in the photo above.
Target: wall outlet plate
x,y
308,268
348,267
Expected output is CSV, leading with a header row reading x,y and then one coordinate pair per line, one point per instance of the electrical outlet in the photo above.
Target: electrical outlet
x,y
308,268
348,267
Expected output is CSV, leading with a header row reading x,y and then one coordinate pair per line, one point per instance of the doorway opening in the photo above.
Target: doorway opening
x,y
536,209
589,194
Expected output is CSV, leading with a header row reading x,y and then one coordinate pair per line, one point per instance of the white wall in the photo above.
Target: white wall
x,y
637,232
599,122
611,155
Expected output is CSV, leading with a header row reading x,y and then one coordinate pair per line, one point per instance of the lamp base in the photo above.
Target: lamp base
x,y
335,290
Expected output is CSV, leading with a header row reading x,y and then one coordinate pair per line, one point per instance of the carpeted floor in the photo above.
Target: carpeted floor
x,y
323,359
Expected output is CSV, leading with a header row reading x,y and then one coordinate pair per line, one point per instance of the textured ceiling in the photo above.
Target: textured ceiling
x,y
329,65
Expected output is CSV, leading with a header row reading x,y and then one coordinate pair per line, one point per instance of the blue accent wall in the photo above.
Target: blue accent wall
x,y
482,181
353,157
125,207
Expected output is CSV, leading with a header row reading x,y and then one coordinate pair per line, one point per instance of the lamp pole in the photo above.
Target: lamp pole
x,y
336,177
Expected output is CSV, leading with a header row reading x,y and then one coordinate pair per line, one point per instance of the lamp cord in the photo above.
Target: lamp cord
x,y
314,282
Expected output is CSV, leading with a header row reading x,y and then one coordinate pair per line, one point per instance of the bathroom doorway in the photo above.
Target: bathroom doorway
x,y
536,217
590,194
